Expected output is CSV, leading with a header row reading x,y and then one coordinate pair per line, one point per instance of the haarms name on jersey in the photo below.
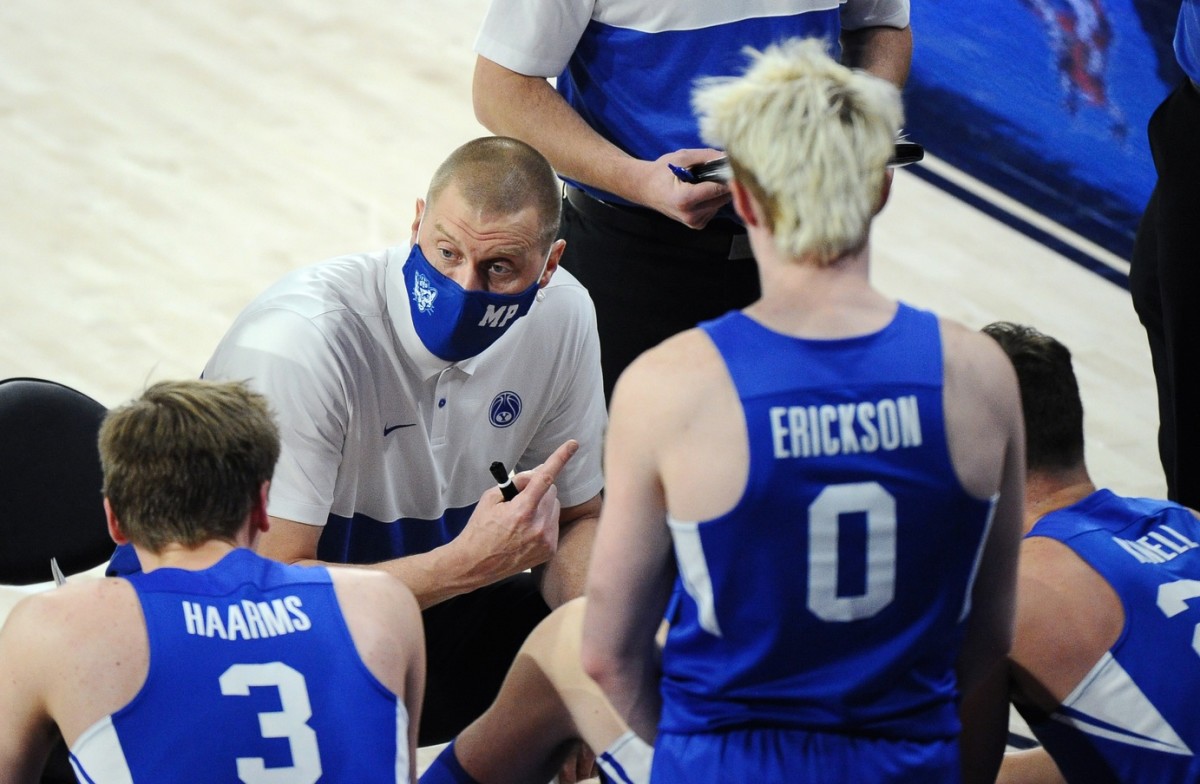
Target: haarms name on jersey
x,y
246,620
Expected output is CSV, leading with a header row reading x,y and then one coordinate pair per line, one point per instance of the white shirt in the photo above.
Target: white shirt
x,y
375,426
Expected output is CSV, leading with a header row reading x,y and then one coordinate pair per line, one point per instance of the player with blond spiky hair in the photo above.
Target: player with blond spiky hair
x,y
834,479
811,182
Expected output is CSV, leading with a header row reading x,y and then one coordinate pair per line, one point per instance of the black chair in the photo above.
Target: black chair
x,y
50,481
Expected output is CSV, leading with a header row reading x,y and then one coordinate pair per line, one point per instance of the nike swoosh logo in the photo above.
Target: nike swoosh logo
x,y
387,430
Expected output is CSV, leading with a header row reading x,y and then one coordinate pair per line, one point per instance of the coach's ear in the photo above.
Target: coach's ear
x,y
552,259
416,224
114,525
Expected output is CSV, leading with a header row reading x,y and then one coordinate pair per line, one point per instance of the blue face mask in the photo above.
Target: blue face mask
x,y
454,323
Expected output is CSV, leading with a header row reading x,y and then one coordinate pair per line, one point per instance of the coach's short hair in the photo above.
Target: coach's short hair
x,y
185,462
500,176
810,139
1049,396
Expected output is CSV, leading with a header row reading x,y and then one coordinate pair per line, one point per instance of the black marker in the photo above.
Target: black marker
x,y
507,488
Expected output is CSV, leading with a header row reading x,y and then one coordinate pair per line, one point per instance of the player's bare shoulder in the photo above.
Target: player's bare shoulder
x,y
82,610
371,592
383,618
982,406
677,374
86,632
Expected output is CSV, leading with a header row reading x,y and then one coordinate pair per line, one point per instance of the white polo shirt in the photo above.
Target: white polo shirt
x,y
386,441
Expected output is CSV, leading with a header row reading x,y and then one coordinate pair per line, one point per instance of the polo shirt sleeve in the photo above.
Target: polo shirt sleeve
x,y
533,37
857,14
285,357
577,409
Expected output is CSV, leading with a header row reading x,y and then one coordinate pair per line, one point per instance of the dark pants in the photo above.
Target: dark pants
x,y
651,277
470,642
1164,280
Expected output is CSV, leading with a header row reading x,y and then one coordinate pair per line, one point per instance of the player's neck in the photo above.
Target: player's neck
x,y
179,556
832,301
1049,491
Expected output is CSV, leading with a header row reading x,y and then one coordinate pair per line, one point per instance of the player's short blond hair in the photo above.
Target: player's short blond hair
x,y
810,139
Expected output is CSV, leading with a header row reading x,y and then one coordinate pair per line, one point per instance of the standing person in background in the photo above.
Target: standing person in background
x,y
657,254
399,376
839,476
1165,274
213,663
1103,662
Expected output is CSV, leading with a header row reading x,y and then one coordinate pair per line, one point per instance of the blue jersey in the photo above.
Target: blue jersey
x,y
254,677
832,598
632,73
1133,718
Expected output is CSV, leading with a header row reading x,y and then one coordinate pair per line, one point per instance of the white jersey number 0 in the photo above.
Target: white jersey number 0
x,y
824,526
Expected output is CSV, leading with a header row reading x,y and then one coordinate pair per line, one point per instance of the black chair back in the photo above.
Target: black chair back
x,y
50,481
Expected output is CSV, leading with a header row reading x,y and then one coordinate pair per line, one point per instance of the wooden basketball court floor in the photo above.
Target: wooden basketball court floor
x,y
162,162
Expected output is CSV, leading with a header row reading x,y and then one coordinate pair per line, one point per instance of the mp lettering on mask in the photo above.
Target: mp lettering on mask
x,y
498,317
452,322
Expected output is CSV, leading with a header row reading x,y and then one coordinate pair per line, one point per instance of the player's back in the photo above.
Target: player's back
x,y
1133,718
253,676
831,599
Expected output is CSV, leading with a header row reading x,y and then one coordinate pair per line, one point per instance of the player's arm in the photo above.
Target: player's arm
x,y
27,733
385,624
500,539
1030,766
564,575
876,37
632,570
983,675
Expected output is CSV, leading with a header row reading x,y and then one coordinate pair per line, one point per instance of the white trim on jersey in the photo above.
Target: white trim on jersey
x,y
402,744
627,760
987,530
1107,694
97,755
693,571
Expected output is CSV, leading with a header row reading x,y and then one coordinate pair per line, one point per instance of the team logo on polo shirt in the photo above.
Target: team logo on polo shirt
x,y
505,409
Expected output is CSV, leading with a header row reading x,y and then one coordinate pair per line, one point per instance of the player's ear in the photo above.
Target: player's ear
x,y
114,525
886,190
259,520
744,204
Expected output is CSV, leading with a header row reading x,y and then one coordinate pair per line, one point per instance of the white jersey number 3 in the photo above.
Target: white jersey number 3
x,y
291,722
1173,598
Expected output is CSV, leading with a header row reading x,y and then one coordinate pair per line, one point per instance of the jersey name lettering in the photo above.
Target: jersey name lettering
x,y
845,428
246,620
1159,546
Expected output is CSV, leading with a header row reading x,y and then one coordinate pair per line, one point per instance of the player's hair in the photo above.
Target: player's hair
x,y
184,462
501,176
810,139
1049,396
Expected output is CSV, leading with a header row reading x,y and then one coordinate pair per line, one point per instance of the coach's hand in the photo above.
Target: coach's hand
x,y
503,538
